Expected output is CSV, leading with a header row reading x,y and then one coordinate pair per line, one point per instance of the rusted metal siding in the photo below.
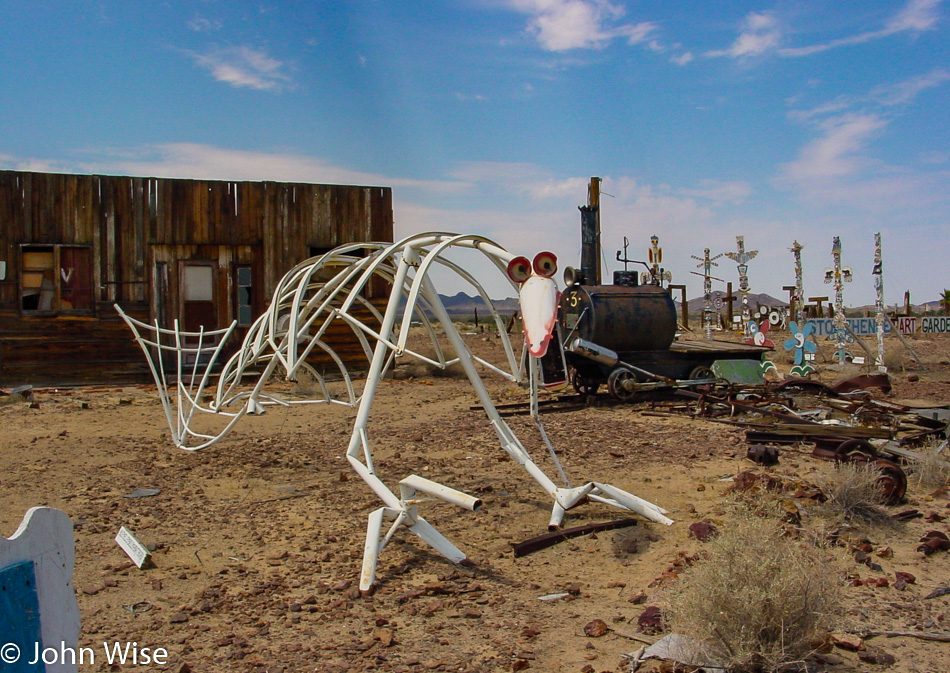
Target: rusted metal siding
x,y
131,223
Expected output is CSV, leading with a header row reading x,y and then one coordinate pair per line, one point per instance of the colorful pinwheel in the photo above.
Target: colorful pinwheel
x,y
799,341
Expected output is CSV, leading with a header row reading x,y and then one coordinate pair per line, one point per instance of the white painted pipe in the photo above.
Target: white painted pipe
x,y
414,483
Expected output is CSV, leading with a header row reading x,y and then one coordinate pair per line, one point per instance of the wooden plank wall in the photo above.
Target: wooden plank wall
x,y
125,220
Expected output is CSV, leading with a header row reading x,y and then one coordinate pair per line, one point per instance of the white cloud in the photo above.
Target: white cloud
x,y
906,91
835,153
244,67
837,167
683,59
207,162
760,34
916,16
720,191
200,24
561,25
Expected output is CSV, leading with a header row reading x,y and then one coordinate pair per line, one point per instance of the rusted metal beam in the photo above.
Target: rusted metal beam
x,y
552,538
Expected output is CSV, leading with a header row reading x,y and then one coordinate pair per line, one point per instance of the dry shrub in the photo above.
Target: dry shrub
x,y
855,492
932,471
761,600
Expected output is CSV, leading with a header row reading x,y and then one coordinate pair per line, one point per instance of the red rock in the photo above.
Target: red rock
x,y
596,628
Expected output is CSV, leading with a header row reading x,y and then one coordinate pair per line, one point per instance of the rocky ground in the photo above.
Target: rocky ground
x,y
258,540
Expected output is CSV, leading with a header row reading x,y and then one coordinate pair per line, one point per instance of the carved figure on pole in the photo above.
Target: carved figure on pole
x,y
838,275
705,263
798,296
656,275
878,273
742,257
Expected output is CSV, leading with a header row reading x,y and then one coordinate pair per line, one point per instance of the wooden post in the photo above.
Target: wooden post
x,y
907,302
684,308
729,298
819,312
792,304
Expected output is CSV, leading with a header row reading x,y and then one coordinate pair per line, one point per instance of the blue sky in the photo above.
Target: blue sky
x,y
773,120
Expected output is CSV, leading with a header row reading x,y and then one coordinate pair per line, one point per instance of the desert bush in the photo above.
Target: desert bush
x,y
760,600
932,471
854,492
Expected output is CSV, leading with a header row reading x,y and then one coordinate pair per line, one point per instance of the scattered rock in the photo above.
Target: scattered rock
x,y
650,621
848,641
702,530
875,655
596,628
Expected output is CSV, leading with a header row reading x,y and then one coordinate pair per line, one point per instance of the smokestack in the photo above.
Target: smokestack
x,y
589,245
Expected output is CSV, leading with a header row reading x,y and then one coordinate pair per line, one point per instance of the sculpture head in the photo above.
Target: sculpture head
x,y
538,298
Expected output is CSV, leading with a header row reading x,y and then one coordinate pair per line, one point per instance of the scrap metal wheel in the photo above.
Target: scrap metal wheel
x,y
701,372
617,380
584,384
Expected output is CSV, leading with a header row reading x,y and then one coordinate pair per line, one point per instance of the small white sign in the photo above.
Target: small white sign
x,y
809,356
135,549
858,360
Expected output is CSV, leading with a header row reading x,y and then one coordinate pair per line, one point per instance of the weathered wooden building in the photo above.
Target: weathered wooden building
x,y
203,251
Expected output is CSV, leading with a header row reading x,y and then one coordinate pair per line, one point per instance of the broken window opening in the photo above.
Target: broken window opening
x,y
55,279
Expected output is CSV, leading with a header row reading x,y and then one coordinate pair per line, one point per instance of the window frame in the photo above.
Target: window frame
x,y
56,308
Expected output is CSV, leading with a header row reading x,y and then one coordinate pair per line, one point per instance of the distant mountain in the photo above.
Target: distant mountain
x,y
696,305
463,304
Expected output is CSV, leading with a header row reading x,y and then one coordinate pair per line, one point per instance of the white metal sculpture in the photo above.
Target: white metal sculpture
x,y
331,289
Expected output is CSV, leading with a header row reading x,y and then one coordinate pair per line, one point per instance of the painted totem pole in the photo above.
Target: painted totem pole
x,y
741,257
878,273
706,262
799,297
838,275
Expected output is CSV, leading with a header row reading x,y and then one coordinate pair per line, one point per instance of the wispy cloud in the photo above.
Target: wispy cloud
x,y
916,16
720,191
838,166
836,152
245,67
760,34
208,162
906,91
200,24
561,25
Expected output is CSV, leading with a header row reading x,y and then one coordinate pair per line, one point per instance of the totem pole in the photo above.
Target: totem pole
x,y
799,298
878,273
705,263
839,275
656,275
741,258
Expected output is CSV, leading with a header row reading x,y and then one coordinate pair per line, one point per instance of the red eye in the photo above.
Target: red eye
x,y
519,269
545,264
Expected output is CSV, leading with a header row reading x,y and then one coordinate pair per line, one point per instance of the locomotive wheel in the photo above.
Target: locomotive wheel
x,y
893,480
855,448
702,372
616,381
584,384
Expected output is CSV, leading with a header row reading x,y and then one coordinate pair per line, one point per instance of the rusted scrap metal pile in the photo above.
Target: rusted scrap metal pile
x,y
846,421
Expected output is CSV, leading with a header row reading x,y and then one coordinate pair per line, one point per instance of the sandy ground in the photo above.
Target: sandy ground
x,y
258,540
